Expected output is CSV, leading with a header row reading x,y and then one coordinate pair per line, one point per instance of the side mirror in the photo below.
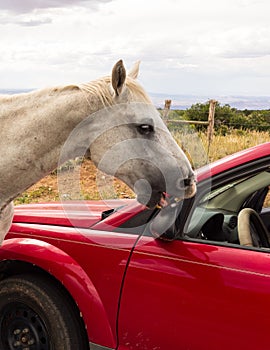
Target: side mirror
x,y
163,225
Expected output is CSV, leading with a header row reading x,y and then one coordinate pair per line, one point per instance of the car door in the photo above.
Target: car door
x,y
193,295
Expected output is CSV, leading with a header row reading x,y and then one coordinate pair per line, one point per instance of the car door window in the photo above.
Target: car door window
x,y
215,213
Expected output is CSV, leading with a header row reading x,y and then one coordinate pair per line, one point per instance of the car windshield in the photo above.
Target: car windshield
x,y
219,191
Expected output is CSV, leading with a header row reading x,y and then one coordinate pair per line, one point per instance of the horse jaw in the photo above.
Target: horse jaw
x,y
151,188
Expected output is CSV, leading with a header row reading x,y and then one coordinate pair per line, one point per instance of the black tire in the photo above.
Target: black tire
x,y
35,314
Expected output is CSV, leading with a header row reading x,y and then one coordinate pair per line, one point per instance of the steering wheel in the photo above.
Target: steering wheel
x,y
251,229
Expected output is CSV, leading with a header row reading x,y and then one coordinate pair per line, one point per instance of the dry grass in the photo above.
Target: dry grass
x,y
194,144
200,153
234,142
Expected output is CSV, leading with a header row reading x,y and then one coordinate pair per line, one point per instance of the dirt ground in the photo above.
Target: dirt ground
x,y
80,182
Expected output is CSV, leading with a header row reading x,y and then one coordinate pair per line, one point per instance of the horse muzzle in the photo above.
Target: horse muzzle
x,y
181,190
187,188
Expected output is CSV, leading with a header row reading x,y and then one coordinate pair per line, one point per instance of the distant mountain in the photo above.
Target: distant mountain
x,y
185,101
13,91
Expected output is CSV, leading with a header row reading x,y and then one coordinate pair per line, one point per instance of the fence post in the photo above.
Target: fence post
x,y
166,111
211,122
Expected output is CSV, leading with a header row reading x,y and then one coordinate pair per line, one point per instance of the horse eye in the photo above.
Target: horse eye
x,y
145,129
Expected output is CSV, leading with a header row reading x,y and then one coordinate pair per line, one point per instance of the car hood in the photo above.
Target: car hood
x,y
81,214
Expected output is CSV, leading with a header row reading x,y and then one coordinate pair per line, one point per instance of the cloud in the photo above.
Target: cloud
x,y
33,13
26,22
248,53
19,6
32,20
245,43
191,46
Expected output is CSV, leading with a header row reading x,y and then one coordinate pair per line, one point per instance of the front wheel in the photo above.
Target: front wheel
x,y
35,314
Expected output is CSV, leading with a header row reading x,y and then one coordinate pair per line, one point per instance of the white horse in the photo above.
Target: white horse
x,y
121,129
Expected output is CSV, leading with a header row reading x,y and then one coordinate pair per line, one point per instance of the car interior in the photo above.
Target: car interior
x,y
235,212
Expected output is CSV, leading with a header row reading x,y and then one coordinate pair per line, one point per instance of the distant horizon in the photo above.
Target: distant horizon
x,y
185,101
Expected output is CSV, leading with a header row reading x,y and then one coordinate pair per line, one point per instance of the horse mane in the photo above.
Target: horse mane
x,y
101,89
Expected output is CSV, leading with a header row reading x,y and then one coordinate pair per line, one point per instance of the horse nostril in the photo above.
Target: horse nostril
x,y
188,182
184,183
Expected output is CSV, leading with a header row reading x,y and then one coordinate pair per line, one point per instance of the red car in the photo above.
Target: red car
x,y
94,275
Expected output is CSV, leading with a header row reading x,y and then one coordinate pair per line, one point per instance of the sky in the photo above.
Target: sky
x,y
210,47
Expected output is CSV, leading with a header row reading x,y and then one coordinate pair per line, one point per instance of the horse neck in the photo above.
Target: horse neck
x,y
34,127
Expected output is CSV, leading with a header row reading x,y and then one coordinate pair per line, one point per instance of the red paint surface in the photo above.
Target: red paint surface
x,y
176,295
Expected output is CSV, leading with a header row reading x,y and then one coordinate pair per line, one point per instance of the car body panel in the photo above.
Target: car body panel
x,y
185,298
78,258
66,270
139,292
70,213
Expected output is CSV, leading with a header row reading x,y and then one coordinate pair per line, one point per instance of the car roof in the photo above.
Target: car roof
x,y
232,161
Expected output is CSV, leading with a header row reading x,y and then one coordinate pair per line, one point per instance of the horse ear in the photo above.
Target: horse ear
x,y
118,77
134,72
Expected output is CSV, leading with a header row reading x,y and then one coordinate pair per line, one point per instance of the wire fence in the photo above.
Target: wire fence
x,y
218,124
215,122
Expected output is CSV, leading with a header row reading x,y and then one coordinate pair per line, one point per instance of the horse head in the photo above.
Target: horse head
x,y
127,138
134,145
